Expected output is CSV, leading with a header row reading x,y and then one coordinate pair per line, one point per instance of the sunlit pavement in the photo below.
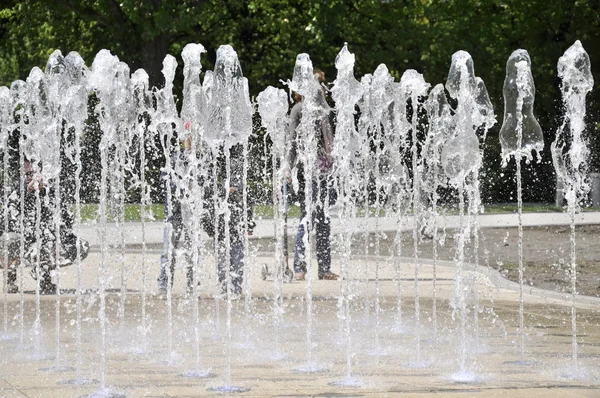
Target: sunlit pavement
x,y
153,231
385,353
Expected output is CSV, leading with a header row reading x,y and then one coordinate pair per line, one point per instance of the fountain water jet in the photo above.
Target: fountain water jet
x,y
314,108
519,136
141,96
416,88
346,93
570,153
272,106
440,123
379,101
5,122
461,158
229,126
106,75
126,107
192,113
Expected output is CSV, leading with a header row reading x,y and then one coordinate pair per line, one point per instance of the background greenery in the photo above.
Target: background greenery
x,y
155,212
268,34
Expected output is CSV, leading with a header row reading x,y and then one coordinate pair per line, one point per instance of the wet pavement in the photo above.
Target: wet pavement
x,y
406,334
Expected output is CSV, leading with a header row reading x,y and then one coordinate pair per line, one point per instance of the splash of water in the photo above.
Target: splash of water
x,y
380,100
194,175
415,87
346,146
305,83
273,106
18,92
570,152
520,135
384,103
229,124
461,160
440,124
142,100
5,122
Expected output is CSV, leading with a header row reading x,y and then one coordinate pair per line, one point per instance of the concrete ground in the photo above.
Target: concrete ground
x,y
405,333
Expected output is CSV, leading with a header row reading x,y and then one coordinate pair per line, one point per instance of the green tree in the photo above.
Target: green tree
x,y
268,34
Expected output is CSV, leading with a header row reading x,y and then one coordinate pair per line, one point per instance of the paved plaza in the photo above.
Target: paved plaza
x,y
404,335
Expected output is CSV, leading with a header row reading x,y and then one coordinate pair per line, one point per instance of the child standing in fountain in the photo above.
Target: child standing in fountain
x,y
9,227
322,192
235,227
175,234
40,247
178,213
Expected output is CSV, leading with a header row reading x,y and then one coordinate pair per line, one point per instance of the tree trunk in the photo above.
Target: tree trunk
x,y
154,52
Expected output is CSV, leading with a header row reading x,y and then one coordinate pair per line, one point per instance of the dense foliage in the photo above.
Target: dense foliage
x,y
268,34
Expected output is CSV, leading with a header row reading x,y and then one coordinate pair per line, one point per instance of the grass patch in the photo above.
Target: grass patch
x,y
531,208
266,211
154,212
527,208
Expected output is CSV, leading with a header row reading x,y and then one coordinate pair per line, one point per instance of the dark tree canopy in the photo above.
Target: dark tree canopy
x,y
268,34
